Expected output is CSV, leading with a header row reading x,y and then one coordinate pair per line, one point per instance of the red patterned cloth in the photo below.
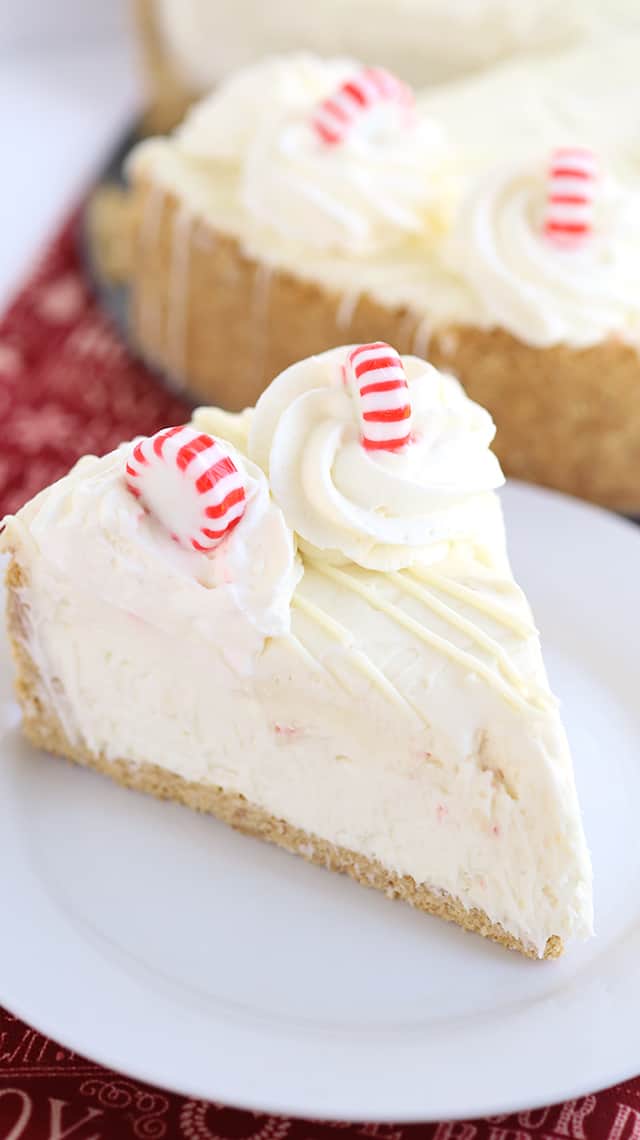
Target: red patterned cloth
x,y
68,386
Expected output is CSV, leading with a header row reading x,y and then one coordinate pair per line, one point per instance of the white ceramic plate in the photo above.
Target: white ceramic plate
x,y
165,945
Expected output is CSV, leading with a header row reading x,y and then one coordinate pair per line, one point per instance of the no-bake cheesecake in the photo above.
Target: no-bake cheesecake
x,y
302,619
262,236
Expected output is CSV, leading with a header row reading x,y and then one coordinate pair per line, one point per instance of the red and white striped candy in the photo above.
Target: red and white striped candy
x,y
573,173
189,482
377,379
336,116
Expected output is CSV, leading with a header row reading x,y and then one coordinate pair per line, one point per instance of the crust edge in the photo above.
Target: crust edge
x,y
43,729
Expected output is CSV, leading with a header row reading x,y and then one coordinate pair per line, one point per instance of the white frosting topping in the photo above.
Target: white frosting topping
x,y
383,510
404,715
457,238
540,291
384,180
87,524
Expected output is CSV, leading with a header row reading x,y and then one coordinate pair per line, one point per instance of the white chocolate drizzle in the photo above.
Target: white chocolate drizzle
x,y
149,310
259,323
475,634
177,310
346,310
473,598
422,337
310,660
517,694
360,660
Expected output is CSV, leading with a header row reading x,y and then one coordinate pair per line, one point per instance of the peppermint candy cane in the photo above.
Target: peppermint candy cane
x,y
189,482
571,190
377,379
337,115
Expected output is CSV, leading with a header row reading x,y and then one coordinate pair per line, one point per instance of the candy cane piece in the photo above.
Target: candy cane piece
x,y
572,179
188,481
376,377
337,114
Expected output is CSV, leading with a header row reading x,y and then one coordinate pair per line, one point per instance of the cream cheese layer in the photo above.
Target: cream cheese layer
x,y
403,713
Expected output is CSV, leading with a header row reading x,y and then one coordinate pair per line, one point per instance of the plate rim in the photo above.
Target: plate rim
x,y
104,1054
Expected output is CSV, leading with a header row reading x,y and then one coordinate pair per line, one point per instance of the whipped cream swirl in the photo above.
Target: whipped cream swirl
x,y
383,510
387,182
541,292
88,528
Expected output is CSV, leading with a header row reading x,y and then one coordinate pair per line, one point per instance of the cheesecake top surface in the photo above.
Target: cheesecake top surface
x,y
426,40
444,209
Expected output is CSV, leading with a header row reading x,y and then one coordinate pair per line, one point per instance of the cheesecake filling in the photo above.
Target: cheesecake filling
x,y
397,707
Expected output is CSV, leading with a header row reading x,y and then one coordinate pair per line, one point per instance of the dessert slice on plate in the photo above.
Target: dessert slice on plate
x,y
311,202
302,619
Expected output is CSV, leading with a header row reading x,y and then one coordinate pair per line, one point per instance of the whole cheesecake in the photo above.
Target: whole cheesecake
x,y
261,234
302,619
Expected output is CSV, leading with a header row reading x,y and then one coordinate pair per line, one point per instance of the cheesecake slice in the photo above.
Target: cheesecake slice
x,y
302,619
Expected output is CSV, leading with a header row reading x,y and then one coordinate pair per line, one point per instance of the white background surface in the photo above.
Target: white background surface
x,y
68,86
168,946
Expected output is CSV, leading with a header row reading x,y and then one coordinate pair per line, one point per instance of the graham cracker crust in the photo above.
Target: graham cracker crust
x,y
43,729
228,324
111,223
